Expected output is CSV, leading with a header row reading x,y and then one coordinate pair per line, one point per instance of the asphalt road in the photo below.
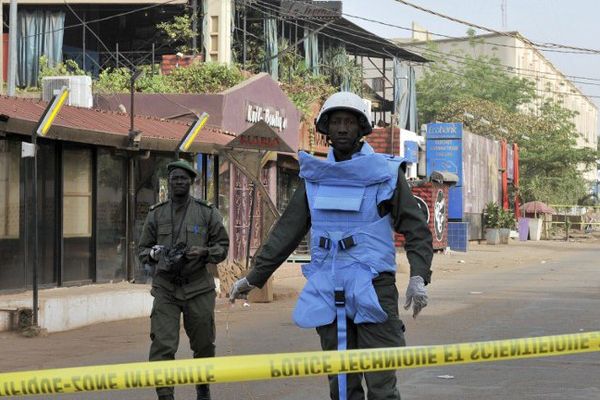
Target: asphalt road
x,y
534,298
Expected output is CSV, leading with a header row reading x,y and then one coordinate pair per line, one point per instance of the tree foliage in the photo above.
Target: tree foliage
x,y
481,78
481,94
179,31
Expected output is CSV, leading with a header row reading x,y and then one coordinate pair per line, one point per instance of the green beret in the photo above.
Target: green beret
x,y
184,165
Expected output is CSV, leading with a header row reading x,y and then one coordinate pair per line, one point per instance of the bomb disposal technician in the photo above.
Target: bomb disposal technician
x,y
351,203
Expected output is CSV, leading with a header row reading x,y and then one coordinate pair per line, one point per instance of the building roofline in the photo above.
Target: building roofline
x,y
515,35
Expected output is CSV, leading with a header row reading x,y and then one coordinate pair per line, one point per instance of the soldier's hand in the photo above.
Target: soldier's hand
x,y
416,294
240,290
196,252
155,251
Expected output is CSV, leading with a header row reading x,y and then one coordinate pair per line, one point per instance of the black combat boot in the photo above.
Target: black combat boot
x,y
166,397
203,392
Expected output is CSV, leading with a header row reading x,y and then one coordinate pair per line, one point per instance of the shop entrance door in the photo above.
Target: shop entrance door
x,y
77,215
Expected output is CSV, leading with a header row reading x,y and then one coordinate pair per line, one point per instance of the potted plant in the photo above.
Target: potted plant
x,y
507,222
491,220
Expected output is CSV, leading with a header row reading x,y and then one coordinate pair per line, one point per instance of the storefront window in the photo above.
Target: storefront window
x,y
10,203
77,214
12,268
16,203
110,217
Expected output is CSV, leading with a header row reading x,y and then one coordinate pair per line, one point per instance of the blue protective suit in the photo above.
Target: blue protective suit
x,y
350,243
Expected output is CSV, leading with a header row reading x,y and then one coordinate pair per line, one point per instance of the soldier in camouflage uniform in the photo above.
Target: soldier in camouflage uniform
x,y
180,236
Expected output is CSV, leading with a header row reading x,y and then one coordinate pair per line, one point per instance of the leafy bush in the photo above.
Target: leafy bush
x,y
507,219
492,215
196,78
204,78
69,67
303,90
113,80
299,83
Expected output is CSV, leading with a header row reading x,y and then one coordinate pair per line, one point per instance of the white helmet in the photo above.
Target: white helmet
x,y
344,101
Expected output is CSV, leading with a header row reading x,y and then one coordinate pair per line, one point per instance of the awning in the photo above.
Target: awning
x,y
104,128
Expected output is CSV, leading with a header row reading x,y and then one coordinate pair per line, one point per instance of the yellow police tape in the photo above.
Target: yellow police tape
x,y
286,365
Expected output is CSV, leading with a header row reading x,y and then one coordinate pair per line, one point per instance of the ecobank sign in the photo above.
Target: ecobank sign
x,y
274,117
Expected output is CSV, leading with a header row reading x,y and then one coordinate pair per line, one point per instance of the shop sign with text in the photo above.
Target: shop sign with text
x,y
274,117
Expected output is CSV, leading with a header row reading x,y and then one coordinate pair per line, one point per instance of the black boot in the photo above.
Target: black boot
x,y
203,392
166,397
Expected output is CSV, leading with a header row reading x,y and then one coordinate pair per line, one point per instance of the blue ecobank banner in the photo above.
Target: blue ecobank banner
x,y
444,153
444,130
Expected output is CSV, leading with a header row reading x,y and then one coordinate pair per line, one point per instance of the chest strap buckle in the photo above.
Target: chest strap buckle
x,y
347,243
340,297
324,242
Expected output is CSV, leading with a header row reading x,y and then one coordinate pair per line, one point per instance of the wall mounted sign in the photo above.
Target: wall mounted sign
x,y
260,136
275,118
305,9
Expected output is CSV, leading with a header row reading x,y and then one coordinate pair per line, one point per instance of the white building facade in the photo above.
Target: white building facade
x,y
524,60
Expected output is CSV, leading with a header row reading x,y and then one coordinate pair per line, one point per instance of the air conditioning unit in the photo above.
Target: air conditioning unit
x,y
80,89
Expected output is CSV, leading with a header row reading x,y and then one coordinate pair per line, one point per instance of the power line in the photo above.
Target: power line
x,y
92,21
457,37
86,27
555,76
482,41
485,28
348,31
536,74
318,24
351,32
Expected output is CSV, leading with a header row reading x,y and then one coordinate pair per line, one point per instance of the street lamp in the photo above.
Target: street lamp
x,y
191,134
42,129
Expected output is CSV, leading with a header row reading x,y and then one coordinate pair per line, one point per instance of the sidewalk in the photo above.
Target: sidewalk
x,y
69,308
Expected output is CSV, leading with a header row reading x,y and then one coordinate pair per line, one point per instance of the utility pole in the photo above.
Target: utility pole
x,y
12,48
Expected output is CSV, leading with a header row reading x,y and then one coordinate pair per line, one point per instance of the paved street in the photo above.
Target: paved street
x,y
492,292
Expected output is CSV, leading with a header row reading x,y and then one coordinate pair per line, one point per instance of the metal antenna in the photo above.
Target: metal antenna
x,y
503,8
